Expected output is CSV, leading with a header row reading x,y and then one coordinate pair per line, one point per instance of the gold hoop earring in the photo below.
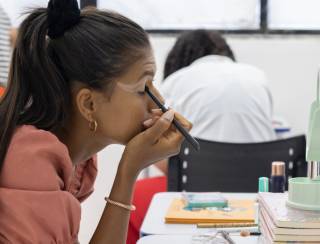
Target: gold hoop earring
x,y
93,125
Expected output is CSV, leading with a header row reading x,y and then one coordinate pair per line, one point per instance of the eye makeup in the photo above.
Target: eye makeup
x,y
138,87
180,128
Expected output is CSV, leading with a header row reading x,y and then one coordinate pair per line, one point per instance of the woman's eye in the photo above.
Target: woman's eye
x,y
141,93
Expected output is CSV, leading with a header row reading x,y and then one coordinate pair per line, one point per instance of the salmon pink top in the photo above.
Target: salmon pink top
x,y
41,190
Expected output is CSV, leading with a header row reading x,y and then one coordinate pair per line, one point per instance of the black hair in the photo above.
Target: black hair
x,y
192,45
55,47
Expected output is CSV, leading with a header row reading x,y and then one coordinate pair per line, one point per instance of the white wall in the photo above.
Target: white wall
x,y
291,65
290,62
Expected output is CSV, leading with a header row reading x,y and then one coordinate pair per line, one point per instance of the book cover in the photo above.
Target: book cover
x,y
285,216
238,211
286,231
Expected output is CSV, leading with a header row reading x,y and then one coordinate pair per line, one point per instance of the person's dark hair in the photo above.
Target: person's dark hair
x,y
192,45
55,47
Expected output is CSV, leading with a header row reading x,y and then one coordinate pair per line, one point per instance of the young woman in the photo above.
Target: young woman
x,y
76,85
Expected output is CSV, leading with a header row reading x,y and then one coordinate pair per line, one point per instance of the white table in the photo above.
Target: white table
x,y
186,239
154,224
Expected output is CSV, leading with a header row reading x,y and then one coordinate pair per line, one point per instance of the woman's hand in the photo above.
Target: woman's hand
x,y
160,140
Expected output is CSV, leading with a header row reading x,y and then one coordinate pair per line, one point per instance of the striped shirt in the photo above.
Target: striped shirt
x,y
5,48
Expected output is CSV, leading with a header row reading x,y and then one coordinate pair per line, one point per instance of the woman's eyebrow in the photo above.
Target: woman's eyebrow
x,y
147,73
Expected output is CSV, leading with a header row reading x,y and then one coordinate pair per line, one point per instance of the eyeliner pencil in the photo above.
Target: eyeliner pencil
x,y
180,128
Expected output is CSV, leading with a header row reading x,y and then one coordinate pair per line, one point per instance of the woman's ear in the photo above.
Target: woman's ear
x,y
86,103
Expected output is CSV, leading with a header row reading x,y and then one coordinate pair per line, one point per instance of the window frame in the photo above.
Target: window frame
x,y
264,29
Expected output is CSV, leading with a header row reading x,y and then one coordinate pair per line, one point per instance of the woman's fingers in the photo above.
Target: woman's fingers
x,y
171,138
156,114
150,122
183,121
174,134
155,132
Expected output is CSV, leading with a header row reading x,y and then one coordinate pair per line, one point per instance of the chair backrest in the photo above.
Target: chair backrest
x,y
233,167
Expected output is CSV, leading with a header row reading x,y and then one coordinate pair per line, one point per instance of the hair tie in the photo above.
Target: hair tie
x,y
62,15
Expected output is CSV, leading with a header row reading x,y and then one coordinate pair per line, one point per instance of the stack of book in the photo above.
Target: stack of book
x,y
280,223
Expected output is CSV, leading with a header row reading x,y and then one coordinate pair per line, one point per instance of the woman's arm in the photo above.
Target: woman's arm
x,y
113,225
160,141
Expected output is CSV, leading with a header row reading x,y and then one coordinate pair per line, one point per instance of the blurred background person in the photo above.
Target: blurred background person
x,y
226,101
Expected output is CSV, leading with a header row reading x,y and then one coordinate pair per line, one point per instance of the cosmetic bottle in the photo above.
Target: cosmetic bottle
x,y
278,177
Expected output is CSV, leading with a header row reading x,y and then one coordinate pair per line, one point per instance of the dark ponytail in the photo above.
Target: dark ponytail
x,y
55,47
192,45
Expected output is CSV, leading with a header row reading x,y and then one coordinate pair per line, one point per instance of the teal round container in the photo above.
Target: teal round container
x,y
304,193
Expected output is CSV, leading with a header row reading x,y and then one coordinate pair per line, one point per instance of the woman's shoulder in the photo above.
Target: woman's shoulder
x,y
36,160
30,132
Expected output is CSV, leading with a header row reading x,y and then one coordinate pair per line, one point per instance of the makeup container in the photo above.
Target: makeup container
x,y
278,177
263,184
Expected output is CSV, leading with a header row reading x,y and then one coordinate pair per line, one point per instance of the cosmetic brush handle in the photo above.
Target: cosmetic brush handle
x,y
183,131
188,137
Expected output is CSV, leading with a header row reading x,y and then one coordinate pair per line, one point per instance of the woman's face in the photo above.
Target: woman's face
x,y
120,116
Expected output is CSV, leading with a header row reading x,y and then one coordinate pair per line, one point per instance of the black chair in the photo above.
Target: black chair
x,y
233,167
